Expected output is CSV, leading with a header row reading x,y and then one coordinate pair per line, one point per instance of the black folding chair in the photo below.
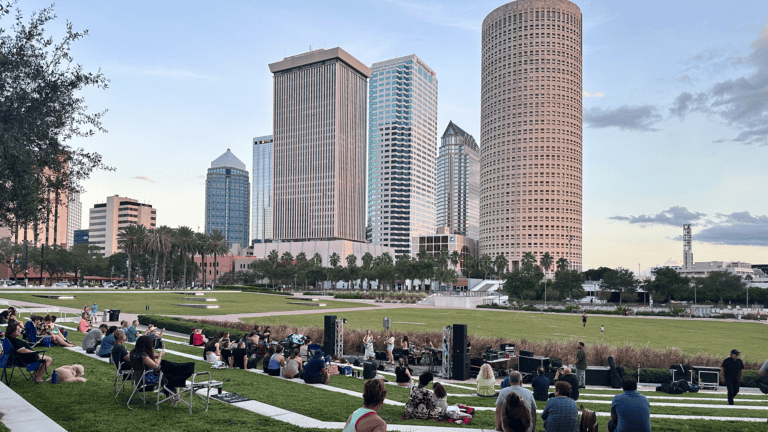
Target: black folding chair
x,y
123,373
175,384
21,361
142,381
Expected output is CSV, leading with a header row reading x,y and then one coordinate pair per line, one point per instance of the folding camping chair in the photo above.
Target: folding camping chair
x,y
16,360
122,374
30,333
144,380
175,385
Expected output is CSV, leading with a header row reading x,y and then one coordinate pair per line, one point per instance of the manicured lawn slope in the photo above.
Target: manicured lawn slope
x,y
163,303
715,338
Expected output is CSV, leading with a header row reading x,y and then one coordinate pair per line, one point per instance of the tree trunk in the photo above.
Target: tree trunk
x,y
162,276
184,270
203,267
42,249
56,217
154,271
129,271
213,278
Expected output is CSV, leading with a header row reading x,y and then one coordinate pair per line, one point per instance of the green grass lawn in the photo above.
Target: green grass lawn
x,y
715,338
84,406
163,303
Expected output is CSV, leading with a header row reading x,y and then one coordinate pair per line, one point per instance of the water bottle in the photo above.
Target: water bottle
x,y
54,377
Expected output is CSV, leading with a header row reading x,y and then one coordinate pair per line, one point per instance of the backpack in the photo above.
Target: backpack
x,y
588,422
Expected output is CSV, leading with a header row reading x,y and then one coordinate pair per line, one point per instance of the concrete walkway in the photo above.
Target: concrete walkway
x,y
20,416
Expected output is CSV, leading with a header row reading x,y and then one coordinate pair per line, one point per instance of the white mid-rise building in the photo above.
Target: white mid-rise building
x,y
704,269
261,228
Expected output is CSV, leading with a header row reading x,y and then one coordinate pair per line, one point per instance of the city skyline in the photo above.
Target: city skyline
x,y
666,138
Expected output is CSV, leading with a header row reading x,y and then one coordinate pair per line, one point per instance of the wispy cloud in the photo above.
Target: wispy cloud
x,y
741,103
144,178
441,14
596,94
639,118
175,74
674,216
737,229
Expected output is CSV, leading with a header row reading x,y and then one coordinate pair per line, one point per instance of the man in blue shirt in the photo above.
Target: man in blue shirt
x,y
630,411
540,386
315,371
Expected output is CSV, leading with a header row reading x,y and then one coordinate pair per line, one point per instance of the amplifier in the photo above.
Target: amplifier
x,y
598,376
490,356
524,353
531,364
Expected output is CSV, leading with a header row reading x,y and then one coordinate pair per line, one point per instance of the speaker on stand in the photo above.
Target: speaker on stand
x,y
329,339
459,354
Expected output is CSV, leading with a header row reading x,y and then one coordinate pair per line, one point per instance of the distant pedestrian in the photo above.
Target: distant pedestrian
x,y
731,372
584,319
602,328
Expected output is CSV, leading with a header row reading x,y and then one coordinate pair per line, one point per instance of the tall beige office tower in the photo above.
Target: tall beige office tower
x,y
319,128
74,217
106,219
458,183
531,131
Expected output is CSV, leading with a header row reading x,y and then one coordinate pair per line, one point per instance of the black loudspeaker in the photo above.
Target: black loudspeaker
x,y
329,341
531,364
460,365
460,340
597,376
524,353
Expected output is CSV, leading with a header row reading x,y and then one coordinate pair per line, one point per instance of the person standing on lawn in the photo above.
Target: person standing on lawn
x,y
584,319
581,365
731,372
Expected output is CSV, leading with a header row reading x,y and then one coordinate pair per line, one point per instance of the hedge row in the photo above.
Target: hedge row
x,y
180,325
251,289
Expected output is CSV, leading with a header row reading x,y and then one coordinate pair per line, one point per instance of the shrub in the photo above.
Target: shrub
x,y
180,325
256,289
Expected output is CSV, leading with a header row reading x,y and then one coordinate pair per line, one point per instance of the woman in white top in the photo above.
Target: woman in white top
x,y
390,348
368,344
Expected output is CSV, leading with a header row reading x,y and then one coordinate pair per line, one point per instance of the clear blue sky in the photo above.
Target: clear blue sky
x,y
676,104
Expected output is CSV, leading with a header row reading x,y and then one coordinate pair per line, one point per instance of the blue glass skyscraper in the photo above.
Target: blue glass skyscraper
x,y
227,192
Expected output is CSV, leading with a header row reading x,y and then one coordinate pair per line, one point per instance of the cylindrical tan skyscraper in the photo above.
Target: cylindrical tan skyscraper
x,y
531,131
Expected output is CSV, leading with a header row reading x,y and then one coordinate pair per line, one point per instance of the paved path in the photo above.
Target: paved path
x,y
21,416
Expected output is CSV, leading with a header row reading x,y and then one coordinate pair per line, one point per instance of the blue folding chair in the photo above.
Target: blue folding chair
x,y
30,333
10,358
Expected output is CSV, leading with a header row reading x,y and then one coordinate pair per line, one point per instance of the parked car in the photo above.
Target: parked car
x,y
107,285
61,284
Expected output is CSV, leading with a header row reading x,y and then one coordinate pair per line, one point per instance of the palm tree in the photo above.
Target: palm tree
x,y
164,247
455,259
152,244
201,246
546,261
528,259
470,262
287,258
486,263
367,267
562,264
351,260
185,239
131,240
500,263
317,259
218,246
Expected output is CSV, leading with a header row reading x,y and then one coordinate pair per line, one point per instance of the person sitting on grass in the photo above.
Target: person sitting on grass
x,y
132,332
266,334
198,339
12,316
403,374
561,413
515,415
276,362
93,338
540,386
422,403
315,372
25,352
366,419
225,348
441,395
157,336
105,349
486,382
630,411
267,357
4,315
304,349
84,325
211,352
294,367
564,374
119,352
54,328
239,357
